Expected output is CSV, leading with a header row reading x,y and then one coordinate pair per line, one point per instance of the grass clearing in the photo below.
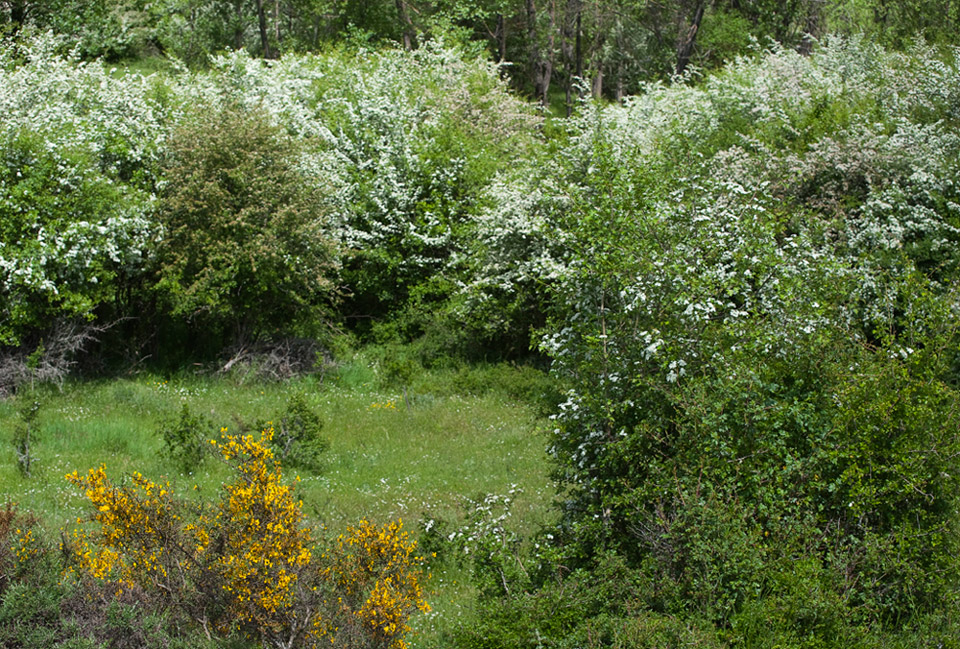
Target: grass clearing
x,y
394,453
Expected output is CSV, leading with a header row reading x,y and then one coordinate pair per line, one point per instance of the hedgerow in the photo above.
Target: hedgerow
x,y
748,284
753,298
246,195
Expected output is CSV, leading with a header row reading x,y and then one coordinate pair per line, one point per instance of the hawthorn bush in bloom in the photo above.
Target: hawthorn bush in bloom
x,y
248,564
405,143
79,150
755,309
115,190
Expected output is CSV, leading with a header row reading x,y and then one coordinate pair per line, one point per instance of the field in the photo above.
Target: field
x,y
744,279
430,459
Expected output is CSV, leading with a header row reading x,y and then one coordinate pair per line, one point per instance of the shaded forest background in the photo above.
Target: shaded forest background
x,y
555,49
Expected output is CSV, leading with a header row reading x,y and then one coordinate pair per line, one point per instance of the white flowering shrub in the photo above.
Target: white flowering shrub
x,y
754,305
80,150
397,147
405,144
416,141
516,252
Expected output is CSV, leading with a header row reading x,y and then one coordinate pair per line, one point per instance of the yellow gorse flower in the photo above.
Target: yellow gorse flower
x,y
266,544
379,571
249,557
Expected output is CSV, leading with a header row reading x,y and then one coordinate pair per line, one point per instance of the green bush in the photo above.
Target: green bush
x,y
246,252
601,605
297,441
756,320
187,438
415,138
25,436
44,605
30,591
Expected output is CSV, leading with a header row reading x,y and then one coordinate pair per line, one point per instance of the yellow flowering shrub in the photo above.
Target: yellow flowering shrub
x,y
377,573
259,526
19,545
247,564
136,525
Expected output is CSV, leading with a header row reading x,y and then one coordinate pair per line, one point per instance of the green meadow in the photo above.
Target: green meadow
x,y
426,455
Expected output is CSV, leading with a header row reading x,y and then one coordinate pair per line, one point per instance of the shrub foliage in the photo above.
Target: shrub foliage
x,y
754,308
245,244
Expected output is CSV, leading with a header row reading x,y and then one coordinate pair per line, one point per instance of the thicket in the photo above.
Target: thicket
x,y
756,312
243,205
748,285
246,250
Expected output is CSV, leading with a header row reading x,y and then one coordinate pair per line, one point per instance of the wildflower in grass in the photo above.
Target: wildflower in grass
x,y
26,547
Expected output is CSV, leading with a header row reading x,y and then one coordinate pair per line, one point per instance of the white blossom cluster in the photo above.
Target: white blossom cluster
x,y
691,226
81,147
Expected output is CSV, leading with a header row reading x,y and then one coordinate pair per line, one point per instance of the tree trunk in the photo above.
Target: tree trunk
x,y
548,60
262,23
579,53
541,67
570,48
618,94
811,29
534,48
596,88
501,37
409,33
688,38
276,22
238,27
596,49
19,11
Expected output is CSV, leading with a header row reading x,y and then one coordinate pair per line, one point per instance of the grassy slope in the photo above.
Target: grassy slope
x,y
386,460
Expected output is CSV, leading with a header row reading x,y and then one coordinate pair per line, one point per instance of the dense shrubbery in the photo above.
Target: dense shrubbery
x,y
405,145
749,286
228,199
757,317
245,247
79,153
246,565
413,144
40,606
296,441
